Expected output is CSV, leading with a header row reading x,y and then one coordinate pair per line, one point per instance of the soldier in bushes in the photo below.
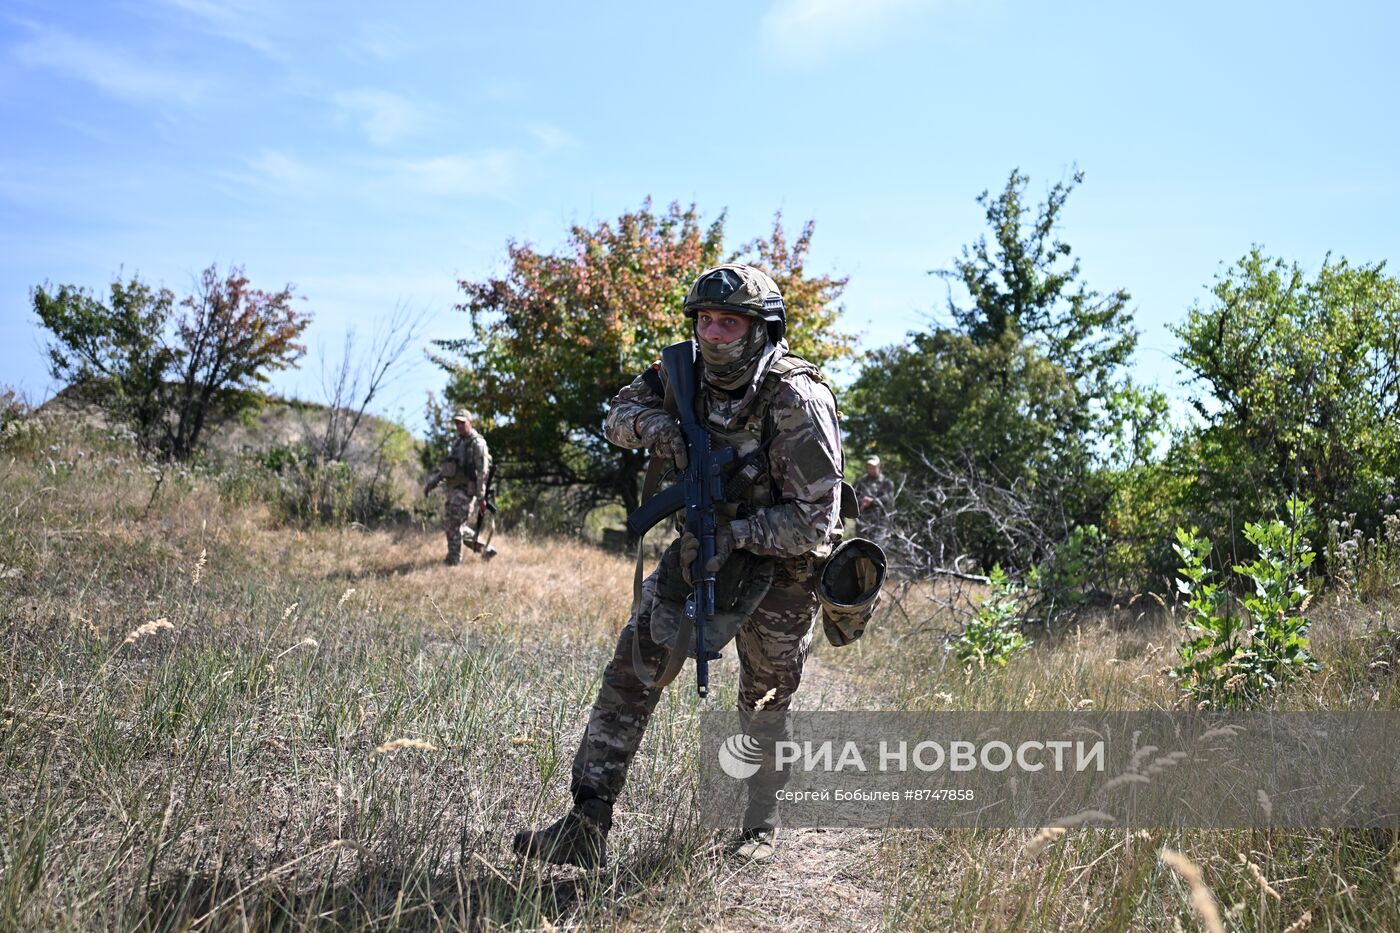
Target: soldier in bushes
x,y
464,472
774,409
875,493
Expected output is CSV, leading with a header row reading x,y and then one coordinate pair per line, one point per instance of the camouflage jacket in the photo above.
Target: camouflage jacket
x,y
878,488
466,465
795,509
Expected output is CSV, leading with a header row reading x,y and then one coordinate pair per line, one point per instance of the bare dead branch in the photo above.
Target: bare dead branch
x,y
360,378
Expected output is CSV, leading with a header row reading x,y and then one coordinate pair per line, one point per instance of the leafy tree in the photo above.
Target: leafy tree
x,y
943,393
114,354
228,338
1024,388
1298,392
1028,282
553,339
165,368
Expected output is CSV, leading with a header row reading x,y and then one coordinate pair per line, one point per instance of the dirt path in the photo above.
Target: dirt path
x,y
819,879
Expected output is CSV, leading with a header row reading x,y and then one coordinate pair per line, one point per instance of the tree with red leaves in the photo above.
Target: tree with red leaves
x,y
553,339
165,369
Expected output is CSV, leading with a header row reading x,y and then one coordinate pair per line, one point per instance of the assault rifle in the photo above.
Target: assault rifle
x,y
700,487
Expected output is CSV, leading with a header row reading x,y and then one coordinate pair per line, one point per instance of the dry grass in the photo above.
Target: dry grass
x,y
333,730
1202,900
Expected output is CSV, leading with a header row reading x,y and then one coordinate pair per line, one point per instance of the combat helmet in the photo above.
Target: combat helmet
x,y
736,288
849,589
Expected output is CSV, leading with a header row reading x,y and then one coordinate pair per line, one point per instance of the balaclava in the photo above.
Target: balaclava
x,y
732,365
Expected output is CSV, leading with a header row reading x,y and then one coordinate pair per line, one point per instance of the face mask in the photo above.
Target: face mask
x,y
728,365
719,355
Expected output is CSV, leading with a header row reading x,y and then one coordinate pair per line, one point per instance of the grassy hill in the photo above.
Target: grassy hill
x,y
210,720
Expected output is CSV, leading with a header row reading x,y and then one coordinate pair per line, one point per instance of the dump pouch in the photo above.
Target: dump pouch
x,y
849,589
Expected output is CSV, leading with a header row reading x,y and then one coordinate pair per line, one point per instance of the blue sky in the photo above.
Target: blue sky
x,y
373,154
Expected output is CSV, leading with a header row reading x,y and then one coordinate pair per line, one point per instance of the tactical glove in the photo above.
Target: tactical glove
x,y
690,552
662,436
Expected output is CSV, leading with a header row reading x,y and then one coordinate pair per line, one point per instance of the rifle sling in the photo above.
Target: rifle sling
x,y
675,659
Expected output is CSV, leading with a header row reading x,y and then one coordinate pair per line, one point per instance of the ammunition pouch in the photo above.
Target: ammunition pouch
x,y
740,585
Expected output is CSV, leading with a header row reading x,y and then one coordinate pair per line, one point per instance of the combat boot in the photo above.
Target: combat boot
x,y
488,552
756,845
580,838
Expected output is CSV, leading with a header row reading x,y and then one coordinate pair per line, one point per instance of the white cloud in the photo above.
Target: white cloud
x,y
805,31
380,41
384,117
278,168
241,21
276,171
551,137
486,173
108,69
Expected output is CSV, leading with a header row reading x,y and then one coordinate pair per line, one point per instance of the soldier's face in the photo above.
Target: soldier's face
x,y
721,326
872,469
461,427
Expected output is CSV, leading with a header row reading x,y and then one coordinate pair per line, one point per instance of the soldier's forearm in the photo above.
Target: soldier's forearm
x,y
789,529
629,406
626,424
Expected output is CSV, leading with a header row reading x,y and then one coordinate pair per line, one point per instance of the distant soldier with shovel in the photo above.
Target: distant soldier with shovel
x,y
465,471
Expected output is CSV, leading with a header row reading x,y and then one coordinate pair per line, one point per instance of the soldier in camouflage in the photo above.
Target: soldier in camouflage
x,y
875,494
464,472
778,414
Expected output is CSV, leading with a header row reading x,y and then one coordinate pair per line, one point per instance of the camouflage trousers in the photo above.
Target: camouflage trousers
x,y
459,520
772,646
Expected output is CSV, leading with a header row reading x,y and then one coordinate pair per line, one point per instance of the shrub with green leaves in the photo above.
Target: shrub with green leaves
x,y
994,634
1076,568
20,432
1236,655
304,490
1296,388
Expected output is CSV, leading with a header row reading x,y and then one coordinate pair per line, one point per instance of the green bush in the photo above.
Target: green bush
x,y
1144,510
1298,394
1072,572
994,634
20,433
303,490
1236,658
